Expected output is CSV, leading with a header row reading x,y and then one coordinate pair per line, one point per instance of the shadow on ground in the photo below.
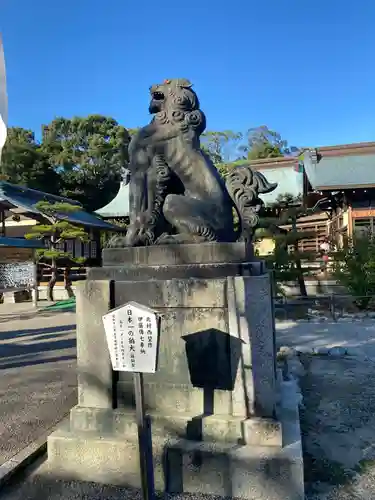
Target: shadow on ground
x,y
30,314
36,346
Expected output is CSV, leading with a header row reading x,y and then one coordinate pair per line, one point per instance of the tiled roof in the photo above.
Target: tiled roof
x,y
325,172
119,206
20,243
288,181
12,195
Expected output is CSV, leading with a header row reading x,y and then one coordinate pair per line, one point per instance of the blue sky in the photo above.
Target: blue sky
x,y
303,67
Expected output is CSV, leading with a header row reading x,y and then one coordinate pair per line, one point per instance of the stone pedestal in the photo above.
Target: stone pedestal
x,y
214,405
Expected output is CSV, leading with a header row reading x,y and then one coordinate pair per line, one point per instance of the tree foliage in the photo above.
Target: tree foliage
x,y
83,157
222,146
265,143
23,162
353,266
288,261
89,155
55,232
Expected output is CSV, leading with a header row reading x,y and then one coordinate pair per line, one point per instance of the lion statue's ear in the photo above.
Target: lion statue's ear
x,y
183,82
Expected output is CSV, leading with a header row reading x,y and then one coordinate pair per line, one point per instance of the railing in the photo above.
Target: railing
x,y
326,307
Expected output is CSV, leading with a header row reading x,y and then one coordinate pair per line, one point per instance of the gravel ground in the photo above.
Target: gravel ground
x,y
39,486
338,420
38,374
338,426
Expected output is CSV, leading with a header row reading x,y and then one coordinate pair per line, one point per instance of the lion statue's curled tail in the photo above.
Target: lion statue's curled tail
x,y
244,186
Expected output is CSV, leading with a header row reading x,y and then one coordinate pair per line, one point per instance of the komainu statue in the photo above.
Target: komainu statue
x,y
176,193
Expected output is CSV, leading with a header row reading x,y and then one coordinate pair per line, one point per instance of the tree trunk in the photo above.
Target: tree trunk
x,y
68,282
52,281
300,277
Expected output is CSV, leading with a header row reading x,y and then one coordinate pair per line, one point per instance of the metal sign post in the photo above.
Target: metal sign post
x,y
144,440
132,333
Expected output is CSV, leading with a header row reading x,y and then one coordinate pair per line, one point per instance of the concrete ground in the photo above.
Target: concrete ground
x,y
38,384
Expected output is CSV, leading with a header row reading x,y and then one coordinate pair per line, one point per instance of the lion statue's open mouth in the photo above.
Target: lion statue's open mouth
x,y
157,100
158,96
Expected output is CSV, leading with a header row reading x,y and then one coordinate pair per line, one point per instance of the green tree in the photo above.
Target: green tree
x,y
133,131
222,146
288,261
353,266
266,143
24,163
55,232
89,154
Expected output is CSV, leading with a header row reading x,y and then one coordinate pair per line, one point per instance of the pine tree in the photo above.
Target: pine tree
x,y
55,232
287,257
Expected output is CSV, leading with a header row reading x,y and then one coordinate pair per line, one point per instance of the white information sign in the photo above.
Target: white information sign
x,y
132,333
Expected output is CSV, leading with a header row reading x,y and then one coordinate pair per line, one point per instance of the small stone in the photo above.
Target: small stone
x,y
352,351
295,369
304,350
287,352
322,351
314,312
361,315
337,352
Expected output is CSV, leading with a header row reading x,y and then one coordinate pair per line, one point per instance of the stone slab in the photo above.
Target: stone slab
x,y
258,309
159,255
196,314
174,294
194,321
248,472
129,272
252,472
95,382
122,423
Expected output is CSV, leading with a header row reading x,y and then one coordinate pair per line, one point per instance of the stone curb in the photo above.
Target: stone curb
x,y
341,319
333,352
26,457
22,460
295,362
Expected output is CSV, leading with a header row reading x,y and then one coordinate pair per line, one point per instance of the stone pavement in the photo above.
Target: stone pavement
x,y
356,335
38,374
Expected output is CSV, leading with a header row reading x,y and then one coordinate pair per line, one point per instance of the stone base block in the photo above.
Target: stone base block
x,y
122,423
194,253
15,296
165,262
248,472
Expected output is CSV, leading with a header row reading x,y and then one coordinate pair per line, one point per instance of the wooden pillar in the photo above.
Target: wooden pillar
x,y
2,218
350,222
35,289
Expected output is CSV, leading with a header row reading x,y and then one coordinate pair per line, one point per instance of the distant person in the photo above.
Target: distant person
x,y
324,249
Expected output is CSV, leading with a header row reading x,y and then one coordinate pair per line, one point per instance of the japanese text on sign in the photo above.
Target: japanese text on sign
x,y
132,333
